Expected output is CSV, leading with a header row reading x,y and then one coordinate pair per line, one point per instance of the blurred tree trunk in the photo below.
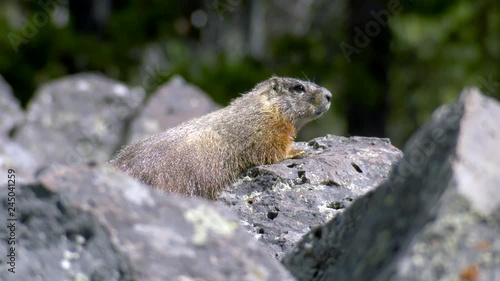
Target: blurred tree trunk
x,y
90,16
367,89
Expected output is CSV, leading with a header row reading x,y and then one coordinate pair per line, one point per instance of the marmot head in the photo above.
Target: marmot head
x,y
296,100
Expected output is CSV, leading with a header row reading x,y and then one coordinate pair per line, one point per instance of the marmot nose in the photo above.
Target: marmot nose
x,y
327,94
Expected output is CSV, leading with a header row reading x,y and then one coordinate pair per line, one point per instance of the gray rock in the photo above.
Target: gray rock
x,y
172,104
14,156
281,202
436,218
78,118
11,114
92,222
56,240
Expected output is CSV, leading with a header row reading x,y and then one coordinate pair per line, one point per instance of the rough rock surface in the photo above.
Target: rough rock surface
x,y
58,241
91,222
78,118
11,114
14,156
172,104
281,202
436,218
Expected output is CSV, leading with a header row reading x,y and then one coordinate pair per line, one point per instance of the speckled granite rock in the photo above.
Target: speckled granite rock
x,y
281,202
173,103
91,222
436,218
78,118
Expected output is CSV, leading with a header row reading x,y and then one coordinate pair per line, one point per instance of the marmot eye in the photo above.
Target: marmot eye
x,y
299,88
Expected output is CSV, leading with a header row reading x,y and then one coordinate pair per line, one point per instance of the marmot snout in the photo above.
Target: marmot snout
x,y
203,155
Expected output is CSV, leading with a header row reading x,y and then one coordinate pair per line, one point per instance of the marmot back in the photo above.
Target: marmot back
x,y
203,155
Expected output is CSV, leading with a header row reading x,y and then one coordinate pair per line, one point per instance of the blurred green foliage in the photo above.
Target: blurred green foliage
x,y
437,48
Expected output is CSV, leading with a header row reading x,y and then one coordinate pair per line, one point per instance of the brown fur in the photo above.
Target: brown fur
x,y
203,155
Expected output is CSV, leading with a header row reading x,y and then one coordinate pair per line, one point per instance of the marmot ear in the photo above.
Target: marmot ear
x,y
275,84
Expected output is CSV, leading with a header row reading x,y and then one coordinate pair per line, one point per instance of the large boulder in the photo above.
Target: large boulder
x,y
436,218
78,118
173,103
91,222
280,203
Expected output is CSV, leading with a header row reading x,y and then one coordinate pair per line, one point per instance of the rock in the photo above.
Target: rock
x,y
78,118
281,202
58,241
436,218
11,114
172,104
91,222
14,156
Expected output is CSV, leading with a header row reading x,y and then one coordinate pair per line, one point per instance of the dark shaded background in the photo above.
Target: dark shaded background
x,y
389,64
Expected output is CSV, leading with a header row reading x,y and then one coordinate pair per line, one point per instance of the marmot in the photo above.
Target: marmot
x,y
203,155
